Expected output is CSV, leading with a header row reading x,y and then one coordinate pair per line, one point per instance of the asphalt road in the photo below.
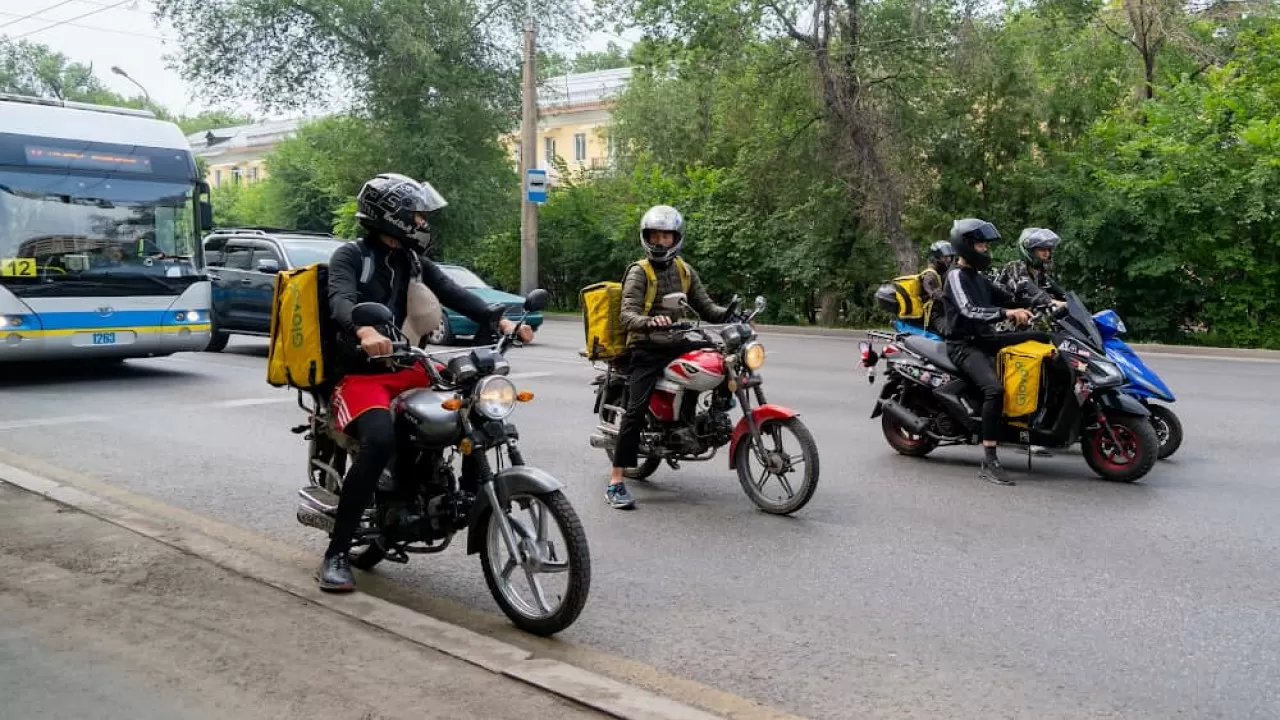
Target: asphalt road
x,y
907,588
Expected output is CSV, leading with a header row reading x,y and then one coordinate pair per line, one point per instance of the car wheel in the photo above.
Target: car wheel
x,y
443,335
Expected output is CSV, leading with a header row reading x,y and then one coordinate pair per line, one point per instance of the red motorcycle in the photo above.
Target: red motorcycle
x,y
688,416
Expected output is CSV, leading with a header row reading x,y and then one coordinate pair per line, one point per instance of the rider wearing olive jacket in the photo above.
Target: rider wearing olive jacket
x,y
650,347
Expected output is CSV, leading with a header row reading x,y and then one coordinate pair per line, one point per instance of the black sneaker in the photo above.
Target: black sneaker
x,y
335,574
992,472
618,497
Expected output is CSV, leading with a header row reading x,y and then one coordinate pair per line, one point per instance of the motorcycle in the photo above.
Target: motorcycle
x,y
1141,382
925,403
464,413
688,411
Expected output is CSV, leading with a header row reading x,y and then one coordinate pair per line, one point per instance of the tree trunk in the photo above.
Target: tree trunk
x,y
829,314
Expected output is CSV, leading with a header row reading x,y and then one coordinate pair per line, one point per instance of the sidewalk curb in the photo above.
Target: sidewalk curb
x,y
593,690
1195,351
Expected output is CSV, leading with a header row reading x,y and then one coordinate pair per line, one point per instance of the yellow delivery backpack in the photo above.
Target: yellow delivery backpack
x,y
299,320
602,311
1021,370
904,297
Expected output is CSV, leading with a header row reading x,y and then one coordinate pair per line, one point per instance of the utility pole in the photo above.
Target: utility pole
x,y
528,160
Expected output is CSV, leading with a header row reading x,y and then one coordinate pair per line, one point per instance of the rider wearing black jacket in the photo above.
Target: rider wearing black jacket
x,y
974,304
393,209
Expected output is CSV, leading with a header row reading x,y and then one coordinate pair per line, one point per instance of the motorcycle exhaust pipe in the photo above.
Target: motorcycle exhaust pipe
x,y
910,421
599,441
316,508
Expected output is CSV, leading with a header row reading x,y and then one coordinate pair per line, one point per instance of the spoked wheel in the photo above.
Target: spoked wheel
x,y
542,560
782,465
1128,457
1168,429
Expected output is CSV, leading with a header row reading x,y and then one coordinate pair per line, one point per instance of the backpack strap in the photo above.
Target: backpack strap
x,y
651,287
366,263
683,269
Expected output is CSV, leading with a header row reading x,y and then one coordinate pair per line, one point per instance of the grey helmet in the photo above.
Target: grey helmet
x,y
387,203
661,217
1032,238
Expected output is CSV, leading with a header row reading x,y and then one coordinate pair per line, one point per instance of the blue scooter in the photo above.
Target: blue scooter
x,y
1143,383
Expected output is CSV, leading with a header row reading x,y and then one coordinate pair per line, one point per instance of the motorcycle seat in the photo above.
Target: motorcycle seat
x,y
935,351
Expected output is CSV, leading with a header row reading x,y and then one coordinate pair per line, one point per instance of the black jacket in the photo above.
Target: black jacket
x,y
388,284
974,304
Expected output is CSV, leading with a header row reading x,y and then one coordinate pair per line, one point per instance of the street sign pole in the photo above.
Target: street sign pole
x,y
528,161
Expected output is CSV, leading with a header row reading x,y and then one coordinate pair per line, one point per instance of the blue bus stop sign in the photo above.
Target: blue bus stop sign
x,y
535,186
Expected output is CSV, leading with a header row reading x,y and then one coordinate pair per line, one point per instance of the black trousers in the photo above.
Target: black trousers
x,y
647,365
377,436
977,361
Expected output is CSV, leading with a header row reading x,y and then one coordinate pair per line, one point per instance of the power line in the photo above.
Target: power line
x,y
99,28
71,19
37,12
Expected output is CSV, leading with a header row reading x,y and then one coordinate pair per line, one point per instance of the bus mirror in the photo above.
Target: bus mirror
x,y
206,215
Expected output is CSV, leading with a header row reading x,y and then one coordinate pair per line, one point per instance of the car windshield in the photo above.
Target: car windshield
x,y
306,252
464,277
68,229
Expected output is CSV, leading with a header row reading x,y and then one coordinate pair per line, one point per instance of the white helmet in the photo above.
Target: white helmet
x,y
661,217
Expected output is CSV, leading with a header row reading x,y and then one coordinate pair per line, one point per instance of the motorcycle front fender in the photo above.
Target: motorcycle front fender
x,y
759,414
1114,401
518,479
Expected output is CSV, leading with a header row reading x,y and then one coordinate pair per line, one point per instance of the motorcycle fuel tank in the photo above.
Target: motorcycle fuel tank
x,y
699,370
432,424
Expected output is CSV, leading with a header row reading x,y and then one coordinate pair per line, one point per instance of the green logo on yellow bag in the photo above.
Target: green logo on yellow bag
x,y
296,337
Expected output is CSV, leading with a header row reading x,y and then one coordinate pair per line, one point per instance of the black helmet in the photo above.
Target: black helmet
x,y
965,233
661,217
941,251
387,203
1033,238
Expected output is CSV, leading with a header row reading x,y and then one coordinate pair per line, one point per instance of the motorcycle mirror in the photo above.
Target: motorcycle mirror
x,y
371,314
760,303
536,300
673,301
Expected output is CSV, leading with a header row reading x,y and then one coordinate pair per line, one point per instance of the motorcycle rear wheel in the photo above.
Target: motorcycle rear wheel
x,y
1138,441
647,467
744,455
545,620
902,441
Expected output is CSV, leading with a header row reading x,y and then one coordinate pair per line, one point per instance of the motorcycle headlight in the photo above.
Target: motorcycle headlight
x,y
495,397
753,355
1104,373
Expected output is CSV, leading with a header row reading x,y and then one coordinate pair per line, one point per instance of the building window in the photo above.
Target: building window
x,y
548,151
580,148
519,153
217,178
235,176
253,173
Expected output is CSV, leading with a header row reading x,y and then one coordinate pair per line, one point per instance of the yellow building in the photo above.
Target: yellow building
x,y
238,154
574,115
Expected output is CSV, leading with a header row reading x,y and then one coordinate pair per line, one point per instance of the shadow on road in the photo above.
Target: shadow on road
x,y
18,375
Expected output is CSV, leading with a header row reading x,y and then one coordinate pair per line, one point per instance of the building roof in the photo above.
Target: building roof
x,y
582,88
243,138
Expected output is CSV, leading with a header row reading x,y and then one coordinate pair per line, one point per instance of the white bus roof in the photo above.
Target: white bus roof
x,y
82,121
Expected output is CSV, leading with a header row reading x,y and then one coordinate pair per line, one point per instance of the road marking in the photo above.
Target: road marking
x,y
246,402
43,422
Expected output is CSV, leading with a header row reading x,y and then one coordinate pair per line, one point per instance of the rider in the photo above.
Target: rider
x,y
941,256
974,304
393,210
649,346
1027,278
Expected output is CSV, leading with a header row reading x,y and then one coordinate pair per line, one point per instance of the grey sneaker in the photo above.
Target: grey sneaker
x,y
992,472
617,496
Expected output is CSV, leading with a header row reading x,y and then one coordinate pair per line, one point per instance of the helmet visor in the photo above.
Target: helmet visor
x,y
425,199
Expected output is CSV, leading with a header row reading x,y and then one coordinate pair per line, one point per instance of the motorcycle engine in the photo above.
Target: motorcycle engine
x,y
713,429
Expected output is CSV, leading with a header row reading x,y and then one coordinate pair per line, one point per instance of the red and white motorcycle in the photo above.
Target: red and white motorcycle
x,y
688,415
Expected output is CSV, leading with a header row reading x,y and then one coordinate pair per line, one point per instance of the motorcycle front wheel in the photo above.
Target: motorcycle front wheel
x,y
535,610
1127,460
779,463
1168,429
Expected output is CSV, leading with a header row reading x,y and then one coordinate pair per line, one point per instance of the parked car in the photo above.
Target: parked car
x,y
454,325
242,264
